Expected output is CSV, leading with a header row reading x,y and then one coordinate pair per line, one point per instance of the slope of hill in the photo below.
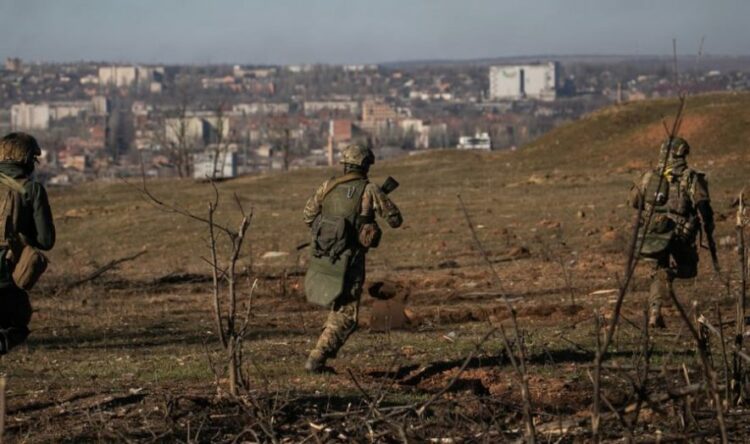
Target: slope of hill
x,y
584,166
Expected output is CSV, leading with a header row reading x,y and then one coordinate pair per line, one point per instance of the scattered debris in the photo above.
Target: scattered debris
x,y
274,254
601,292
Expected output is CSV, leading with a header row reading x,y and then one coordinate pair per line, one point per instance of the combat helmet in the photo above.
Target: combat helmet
x,y
357,154
19,148
680,147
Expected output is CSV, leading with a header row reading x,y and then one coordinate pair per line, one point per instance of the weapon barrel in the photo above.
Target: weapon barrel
x,y
389,185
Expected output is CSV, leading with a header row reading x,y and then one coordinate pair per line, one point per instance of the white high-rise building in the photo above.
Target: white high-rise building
x,y
516,82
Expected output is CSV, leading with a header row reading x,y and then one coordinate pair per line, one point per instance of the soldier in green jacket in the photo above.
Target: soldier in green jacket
x,y
341,215
681,208
27,216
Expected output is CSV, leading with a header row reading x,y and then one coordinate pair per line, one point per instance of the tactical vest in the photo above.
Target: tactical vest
x,y
334,240
674,212
336,228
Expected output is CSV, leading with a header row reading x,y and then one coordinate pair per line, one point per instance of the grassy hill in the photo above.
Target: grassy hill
x,y
584,166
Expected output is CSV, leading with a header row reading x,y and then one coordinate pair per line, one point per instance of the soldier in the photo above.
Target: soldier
x,y
341,215
681,206
27,225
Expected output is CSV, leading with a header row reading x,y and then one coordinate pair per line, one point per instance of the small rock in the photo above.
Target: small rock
x,y
450,337
519,251
448,264
274,254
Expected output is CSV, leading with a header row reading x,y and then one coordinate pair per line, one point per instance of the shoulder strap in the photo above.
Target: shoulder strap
x,y
17,196
11,191
336,181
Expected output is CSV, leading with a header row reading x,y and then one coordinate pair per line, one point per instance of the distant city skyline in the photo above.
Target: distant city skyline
x,y
354,31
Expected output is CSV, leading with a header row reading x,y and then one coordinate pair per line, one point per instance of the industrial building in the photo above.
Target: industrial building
x,y
518,82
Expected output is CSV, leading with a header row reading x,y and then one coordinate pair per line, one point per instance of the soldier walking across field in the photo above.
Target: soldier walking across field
x,y
681,206
27,227
341,215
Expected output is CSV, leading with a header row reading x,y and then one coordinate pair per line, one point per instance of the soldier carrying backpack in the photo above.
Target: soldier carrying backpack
x,y
26,225
341,215
681,208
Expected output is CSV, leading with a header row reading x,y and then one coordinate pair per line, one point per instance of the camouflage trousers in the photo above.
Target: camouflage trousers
x,y
678,261
15,315
343,317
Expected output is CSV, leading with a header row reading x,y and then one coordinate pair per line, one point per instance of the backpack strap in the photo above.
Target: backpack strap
x,y
336,181
11,191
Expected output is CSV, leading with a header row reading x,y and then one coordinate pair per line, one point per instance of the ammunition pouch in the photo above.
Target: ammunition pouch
x,y
369,235
655,244
29,267
656,240
686,228
27,264
368,232
661,224
330,237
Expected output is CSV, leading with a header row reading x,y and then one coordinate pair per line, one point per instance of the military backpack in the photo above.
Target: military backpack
x,y
26,262
335,240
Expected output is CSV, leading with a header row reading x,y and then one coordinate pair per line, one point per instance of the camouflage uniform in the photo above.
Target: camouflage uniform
x,y
342,319
33,220
679,208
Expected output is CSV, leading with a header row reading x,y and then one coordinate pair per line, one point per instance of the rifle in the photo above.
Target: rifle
x,y
388,187
714,256
711,245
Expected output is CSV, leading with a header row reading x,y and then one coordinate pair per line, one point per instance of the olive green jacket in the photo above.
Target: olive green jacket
x,y
34,219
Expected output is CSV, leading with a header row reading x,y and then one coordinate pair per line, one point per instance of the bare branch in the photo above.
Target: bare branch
x,y
98,272
215,276
520,369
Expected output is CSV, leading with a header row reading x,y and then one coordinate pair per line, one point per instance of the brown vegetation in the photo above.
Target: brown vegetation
x,y
124,357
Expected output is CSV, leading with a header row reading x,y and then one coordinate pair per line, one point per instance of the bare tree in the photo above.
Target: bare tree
x,y
231,326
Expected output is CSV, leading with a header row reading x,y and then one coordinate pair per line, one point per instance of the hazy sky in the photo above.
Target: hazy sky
x,y
354,31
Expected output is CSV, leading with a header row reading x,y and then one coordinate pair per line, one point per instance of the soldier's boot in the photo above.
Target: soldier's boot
x,y
655,318
316,362
658,292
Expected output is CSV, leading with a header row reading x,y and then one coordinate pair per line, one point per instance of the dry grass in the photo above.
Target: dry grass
x,y
125,332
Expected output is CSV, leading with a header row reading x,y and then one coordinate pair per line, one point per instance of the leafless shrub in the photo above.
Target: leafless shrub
x,y
231,325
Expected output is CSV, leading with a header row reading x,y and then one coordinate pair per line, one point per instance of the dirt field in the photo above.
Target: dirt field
x,y
126,357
